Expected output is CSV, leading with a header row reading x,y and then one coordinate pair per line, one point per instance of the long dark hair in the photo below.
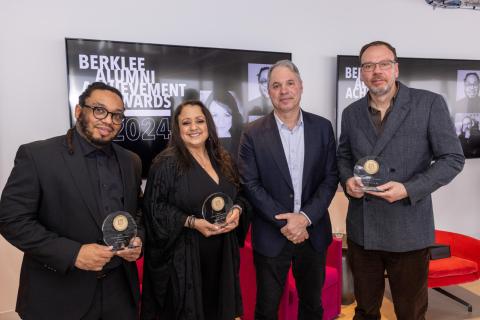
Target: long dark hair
x,y
228,102
176,147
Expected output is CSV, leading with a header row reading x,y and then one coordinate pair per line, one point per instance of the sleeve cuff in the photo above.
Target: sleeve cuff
x,y
305,215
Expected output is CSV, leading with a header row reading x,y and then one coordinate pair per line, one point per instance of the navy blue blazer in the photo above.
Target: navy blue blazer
x,y
267,183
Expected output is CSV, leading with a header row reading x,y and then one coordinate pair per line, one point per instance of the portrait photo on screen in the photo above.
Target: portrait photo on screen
x,y
224,107
154,78
259,103
468,85
466,113
455,80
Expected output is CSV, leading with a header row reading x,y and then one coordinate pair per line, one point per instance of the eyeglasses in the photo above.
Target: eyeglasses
x,y
473,85
101,113
383,65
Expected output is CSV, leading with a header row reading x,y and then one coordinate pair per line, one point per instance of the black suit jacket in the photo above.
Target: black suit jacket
x,y
48,210
268,185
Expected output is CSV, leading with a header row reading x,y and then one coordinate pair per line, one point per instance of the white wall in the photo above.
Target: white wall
x,y
33,90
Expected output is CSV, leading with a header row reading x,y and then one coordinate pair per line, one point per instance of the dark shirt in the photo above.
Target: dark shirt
x,y
377,120
104,171
376,116
105,175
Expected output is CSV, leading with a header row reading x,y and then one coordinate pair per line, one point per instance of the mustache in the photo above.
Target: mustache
x,y
105,125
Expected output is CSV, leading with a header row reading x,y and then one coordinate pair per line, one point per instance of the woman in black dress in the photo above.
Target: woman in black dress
x,y
191,265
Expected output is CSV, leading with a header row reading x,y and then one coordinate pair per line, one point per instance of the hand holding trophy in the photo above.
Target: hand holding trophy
x,y
370,172
216,208
119,228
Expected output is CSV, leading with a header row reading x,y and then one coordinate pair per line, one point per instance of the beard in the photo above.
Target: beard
x,y
380,91
83,126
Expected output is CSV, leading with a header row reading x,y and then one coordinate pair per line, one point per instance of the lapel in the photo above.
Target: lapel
x,y
125,169
81,178
401,108
365,122
274,143
309,139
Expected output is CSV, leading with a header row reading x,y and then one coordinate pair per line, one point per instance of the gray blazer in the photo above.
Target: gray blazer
x,y
420,149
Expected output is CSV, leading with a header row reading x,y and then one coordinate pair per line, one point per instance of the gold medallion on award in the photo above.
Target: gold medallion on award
x,y
216,208
371,172
119,228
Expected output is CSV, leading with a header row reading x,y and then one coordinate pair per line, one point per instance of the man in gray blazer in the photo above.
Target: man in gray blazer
x,y
390,230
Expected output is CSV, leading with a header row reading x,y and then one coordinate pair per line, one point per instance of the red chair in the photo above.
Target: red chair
x,y
331,293
140,272
461,267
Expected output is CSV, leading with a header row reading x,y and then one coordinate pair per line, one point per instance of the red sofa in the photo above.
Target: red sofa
x,y
461,267
331,294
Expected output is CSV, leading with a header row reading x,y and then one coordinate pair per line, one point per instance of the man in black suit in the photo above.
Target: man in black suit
x,y
53,206
288,168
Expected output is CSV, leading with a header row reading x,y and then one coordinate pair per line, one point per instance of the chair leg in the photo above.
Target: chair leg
x,y
454,297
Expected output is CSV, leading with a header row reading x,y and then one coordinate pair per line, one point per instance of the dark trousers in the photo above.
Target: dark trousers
x,y
407,275
113,298
308,268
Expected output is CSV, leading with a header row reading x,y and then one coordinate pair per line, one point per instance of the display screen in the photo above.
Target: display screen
x,y
456,80
155,78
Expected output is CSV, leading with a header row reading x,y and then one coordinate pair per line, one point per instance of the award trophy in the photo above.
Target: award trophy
x,y
119,228
371,172
216,208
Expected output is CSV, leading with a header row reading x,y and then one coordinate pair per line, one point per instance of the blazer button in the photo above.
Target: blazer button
x,y
290,195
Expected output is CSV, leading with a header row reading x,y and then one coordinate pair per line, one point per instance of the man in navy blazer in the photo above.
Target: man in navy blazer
x,y
410,133
288,169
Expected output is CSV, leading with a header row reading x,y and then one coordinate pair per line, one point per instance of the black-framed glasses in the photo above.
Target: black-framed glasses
x,y
383,65
101,113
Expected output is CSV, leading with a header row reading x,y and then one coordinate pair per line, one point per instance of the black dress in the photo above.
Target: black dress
x,y
188,276
210,249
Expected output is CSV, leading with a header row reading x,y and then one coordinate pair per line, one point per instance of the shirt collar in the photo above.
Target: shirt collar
x,y
392,102
88,148
282,125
